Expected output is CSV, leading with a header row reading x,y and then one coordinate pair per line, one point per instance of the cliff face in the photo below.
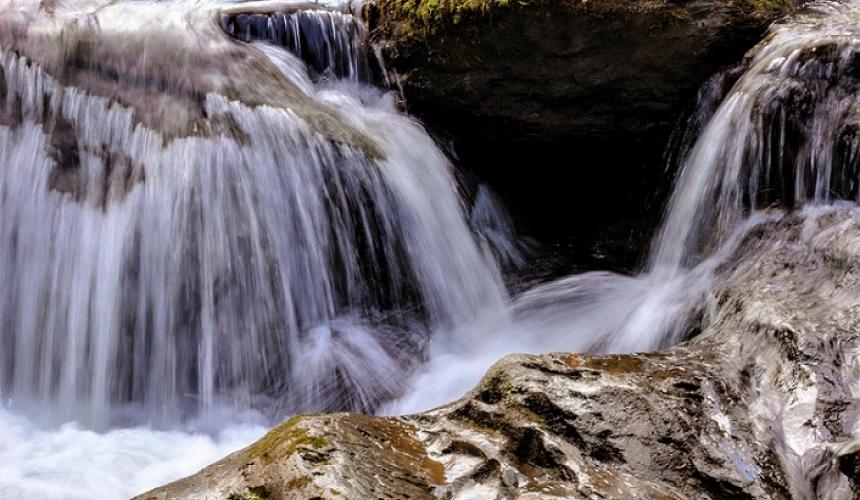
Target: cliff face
x,y
544,70
762,404
565,107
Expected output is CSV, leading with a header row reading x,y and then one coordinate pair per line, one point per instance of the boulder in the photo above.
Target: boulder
x,y
763,404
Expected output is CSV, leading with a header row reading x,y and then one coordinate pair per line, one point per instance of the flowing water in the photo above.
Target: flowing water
x,y
173,258
211,221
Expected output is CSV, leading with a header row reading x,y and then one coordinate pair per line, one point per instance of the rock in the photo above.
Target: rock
x,y
762,405
565,107
370,457
89,54
547,70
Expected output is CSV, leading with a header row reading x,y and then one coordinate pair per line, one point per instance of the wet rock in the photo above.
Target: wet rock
x,y
565,107
545,70
759,405
65,177
331,43
371,458
849,465
111,53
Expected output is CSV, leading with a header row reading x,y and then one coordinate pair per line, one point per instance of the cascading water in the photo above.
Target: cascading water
x,y
183,244
784,135
331,43
174,273
207,215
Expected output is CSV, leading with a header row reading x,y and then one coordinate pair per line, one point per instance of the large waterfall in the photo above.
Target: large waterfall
x,y
210,220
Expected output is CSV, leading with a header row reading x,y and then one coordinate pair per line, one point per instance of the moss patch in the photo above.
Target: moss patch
x,y
285,440
405,449
766,9
258,493
429,11
254,493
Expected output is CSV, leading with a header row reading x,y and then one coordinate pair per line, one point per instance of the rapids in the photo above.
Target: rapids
x,y
211,220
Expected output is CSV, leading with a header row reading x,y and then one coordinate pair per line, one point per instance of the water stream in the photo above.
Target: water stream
x,y
211,220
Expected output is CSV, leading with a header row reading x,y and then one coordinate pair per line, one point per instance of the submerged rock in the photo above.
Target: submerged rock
x,y
762,404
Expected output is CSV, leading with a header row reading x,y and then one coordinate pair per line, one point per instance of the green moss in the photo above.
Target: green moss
x,y
509,390
616,364
766,9
431,11
254,493
258,493
285,440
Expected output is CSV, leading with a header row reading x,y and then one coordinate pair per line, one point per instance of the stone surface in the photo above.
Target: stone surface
x,y
565,107
548,70
763,404
105,49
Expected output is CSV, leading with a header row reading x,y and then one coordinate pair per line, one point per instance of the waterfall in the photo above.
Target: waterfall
x,y
332,44
286,256
208,211
783,136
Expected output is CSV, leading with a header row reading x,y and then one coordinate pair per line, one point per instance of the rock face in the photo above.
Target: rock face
x,y
764,404
565,106
545,70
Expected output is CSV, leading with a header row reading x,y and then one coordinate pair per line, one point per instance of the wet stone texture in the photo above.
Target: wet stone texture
x,y
549,70
762,404
537,95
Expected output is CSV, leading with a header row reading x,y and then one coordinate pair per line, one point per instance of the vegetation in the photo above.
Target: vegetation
x,y
286,439
766,8
431,11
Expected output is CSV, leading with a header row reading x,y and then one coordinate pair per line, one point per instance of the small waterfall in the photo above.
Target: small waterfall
x,y
332,44
785,135
288,256
206,208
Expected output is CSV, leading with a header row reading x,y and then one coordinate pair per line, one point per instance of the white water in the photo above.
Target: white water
x,y
169,252
202,270
740,160
277,263
70,462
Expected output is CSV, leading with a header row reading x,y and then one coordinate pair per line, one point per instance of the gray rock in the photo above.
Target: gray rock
x,y
762,404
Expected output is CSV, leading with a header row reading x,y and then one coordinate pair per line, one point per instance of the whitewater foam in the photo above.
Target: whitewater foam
x,y
71,462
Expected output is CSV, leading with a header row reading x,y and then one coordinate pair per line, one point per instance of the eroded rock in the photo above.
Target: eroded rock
x,y
565,107
548,70
762,404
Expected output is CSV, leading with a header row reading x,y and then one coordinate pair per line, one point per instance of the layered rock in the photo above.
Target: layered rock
x,y
161,61
764,403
